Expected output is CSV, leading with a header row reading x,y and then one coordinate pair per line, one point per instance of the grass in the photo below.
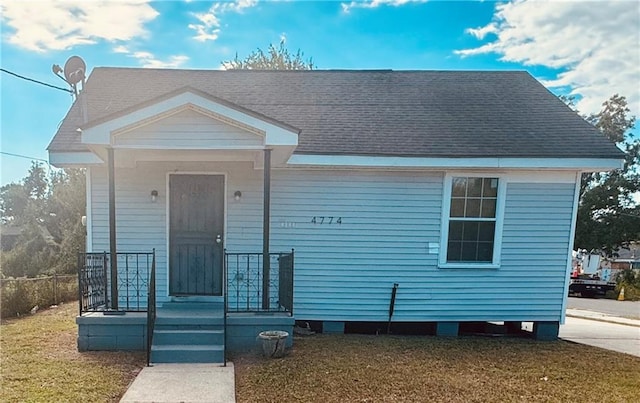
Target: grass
x,y
360,368
41,363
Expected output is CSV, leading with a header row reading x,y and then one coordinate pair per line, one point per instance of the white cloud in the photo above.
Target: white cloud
x,y
60,25
346,7
239,5
208,30
149,60
121,49
208,26
596,45
171,63
142,55
481,32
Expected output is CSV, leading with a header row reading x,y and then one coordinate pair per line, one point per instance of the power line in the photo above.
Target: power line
x,y
25,156
36,81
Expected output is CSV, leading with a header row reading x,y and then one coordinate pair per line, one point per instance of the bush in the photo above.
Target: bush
x,y
629,279
20,295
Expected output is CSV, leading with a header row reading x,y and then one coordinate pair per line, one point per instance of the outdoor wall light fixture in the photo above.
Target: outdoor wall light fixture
x,y
154,196
237,195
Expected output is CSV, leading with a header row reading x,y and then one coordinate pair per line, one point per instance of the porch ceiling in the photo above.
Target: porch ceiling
x,y
129,158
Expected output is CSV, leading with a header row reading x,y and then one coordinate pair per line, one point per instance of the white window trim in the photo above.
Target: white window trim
x,y
444,226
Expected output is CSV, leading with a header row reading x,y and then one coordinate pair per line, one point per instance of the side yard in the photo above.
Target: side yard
x,y
362,368
40,362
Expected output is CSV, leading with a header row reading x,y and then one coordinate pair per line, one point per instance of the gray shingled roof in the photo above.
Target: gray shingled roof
x,y
395,113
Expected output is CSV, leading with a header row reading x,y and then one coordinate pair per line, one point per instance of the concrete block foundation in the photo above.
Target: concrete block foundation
x,y
331,327
98,332
243,329
447,329
546,331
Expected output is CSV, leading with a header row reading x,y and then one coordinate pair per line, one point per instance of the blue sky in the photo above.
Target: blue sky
x,y
588,49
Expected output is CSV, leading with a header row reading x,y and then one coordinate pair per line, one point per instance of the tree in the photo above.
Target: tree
x,y
13,201
66,206
18,198
275,58
608,215
48,210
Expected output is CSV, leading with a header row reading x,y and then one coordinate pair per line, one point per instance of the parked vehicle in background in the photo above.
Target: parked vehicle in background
x,y
585,279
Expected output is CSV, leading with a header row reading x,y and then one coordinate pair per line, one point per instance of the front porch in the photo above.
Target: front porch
x,y
256,297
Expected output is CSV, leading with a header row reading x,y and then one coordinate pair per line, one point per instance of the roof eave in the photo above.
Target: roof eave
x,y
419,162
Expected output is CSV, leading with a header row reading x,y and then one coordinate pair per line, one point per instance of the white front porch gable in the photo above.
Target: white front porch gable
x,y
186,125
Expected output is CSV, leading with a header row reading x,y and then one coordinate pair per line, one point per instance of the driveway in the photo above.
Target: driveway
x,y
607,335
605,323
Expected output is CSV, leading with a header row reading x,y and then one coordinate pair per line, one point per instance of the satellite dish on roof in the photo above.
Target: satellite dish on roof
x,y
74,70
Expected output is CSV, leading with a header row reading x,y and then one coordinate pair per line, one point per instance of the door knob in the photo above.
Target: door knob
x,y
219,239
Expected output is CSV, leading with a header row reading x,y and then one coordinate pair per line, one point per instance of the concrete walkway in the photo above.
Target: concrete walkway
x,y
164,383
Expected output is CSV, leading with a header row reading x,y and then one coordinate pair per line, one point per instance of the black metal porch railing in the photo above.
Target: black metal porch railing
x,y
92,281
244,285
134,274
151,310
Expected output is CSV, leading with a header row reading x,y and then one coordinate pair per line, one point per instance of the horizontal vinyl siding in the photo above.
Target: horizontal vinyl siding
x,y
188,129
140,224
536,239
345,271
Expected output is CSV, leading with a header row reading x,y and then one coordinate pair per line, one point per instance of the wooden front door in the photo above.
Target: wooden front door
x,y
196,225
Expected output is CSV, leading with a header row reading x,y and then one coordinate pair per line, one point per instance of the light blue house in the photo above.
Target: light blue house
x,y
231,202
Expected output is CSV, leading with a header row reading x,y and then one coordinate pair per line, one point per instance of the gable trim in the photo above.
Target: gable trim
x,y
275,135
188,107
189,90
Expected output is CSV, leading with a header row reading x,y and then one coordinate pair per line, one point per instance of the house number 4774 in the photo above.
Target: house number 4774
x,y
326,220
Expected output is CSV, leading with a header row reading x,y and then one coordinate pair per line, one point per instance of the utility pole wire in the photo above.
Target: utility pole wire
x,y
36,81
49,167
24,156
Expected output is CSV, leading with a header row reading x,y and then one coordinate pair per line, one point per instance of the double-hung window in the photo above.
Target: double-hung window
x,y
471,223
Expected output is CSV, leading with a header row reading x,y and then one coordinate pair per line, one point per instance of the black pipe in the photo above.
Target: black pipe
x,y
392,304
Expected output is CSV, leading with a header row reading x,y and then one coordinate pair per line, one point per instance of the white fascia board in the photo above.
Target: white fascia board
x,y
101,133
73,159
278,136
581,164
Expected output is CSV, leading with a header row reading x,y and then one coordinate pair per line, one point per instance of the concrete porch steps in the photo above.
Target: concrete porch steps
x,y
193,306
163,337
188,319
185,353
189,332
